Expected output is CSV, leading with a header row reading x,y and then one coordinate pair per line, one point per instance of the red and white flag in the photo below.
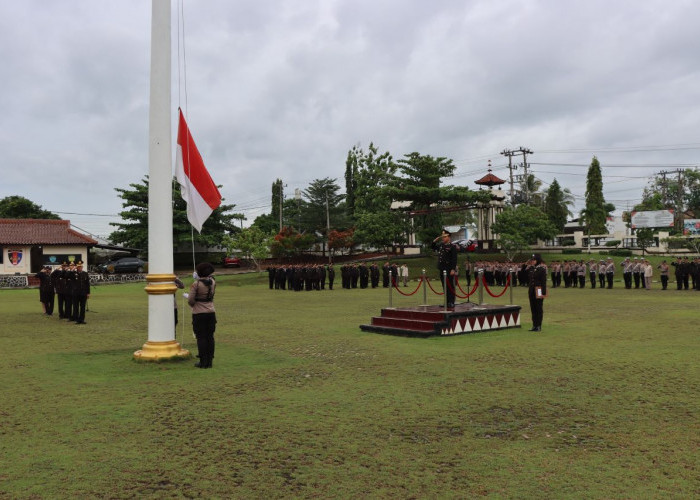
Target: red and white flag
x,y
197,188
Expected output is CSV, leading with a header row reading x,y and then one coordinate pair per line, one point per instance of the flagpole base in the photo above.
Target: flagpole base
x,y
161,351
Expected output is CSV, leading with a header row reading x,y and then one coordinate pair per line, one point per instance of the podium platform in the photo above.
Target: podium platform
x,y
429,321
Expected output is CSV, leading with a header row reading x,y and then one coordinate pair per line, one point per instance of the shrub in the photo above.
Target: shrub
x,y
612,243
621,252
571,250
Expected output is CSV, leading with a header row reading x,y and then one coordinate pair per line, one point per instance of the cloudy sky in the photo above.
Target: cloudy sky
x,y
281,89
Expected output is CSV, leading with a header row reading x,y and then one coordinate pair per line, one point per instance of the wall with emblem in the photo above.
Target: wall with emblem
x,y
18,259
15,259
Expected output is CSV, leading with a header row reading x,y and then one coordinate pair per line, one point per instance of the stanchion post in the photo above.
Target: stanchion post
x,y
391,285
481,287
445,284
425,288
510,279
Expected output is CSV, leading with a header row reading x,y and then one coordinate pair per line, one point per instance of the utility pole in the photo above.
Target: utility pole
x,y
509,154
523,178
526,152
328,228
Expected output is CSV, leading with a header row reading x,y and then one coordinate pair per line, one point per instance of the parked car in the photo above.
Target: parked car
x,y
231,261
124,265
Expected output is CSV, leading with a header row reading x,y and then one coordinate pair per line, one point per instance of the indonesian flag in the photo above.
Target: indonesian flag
x,y
197,188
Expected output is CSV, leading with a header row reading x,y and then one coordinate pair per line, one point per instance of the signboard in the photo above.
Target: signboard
x,y
691,227
652,218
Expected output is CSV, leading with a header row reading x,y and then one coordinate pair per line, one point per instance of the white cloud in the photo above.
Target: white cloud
x,y
283,90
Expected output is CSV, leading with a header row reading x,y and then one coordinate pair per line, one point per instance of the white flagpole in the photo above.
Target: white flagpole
x,y
161,287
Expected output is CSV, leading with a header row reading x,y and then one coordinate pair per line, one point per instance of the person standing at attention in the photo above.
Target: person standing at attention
x,y
404,274
537,290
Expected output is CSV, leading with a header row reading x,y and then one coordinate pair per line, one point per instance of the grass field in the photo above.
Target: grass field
x,y
301,403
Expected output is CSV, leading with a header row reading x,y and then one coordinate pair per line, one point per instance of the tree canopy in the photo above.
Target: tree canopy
x,y
518,227
556,205
134,232
596,212
19,207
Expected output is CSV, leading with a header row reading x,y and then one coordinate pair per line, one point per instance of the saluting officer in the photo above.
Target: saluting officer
x,y
447,262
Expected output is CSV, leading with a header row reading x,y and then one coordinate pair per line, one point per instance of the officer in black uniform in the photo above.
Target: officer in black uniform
x,y
537,290
69,286
447,263
59,284
81,294
46,291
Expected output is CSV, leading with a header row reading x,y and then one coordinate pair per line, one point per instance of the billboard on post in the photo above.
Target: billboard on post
x,y
652,218
691,227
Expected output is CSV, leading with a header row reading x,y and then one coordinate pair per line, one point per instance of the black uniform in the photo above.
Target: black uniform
x,y
46,291
447,262
81,292
537,282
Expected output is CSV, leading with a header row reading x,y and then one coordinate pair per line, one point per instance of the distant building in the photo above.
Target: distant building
x,y
28,244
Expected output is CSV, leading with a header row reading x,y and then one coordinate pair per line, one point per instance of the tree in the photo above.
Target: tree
x,y
645,238
267,224
134,233
289,243
277,200
596,212
556,205
368,176
379,229
530,186
19,207
420,183
518,227
253,243
341,240
323,204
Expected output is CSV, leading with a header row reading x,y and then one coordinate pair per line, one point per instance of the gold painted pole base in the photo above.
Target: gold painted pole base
x,y
161,351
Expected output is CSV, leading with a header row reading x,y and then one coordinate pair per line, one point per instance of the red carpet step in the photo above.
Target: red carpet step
x,y
428,321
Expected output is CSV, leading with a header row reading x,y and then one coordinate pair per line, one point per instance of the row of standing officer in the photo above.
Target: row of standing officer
x,y
71,284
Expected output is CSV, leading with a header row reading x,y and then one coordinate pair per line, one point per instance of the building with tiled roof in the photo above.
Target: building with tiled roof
x,y
28,244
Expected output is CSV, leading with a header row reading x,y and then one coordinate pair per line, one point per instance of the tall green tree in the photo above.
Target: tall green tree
x,y
596,212
519,227
369,174
556,205
134,231
277,200
530,191
253,243
324,204
420,183
19,207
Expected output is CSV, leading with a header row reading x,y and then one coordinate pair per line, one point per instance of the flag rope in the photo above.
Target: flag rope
x,y
182,87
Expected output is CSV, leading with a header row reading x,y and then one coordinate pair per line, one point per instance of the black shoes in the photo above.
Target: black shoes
x,y
536,329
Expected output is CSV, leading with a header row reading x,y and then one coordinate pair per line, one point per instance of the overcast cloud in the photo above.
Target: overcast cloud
x,y
279,89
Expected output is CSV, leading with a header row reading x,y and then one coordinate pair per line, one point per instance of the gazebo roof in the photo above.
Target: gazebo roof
x,y
489,180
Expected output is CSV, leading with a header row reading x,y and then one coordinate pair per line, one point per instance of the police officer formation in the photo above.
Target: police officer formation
x,y
636,273
71,285
298,277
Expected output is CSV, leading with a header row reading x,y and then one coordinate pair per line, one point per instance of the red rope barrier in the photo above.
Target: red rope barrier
x,y
468,294
452,288
407,294
500,294
431,287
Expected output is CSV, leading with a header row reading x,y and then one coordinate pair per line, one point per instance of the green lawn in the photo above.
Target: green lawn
x,y
301,403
